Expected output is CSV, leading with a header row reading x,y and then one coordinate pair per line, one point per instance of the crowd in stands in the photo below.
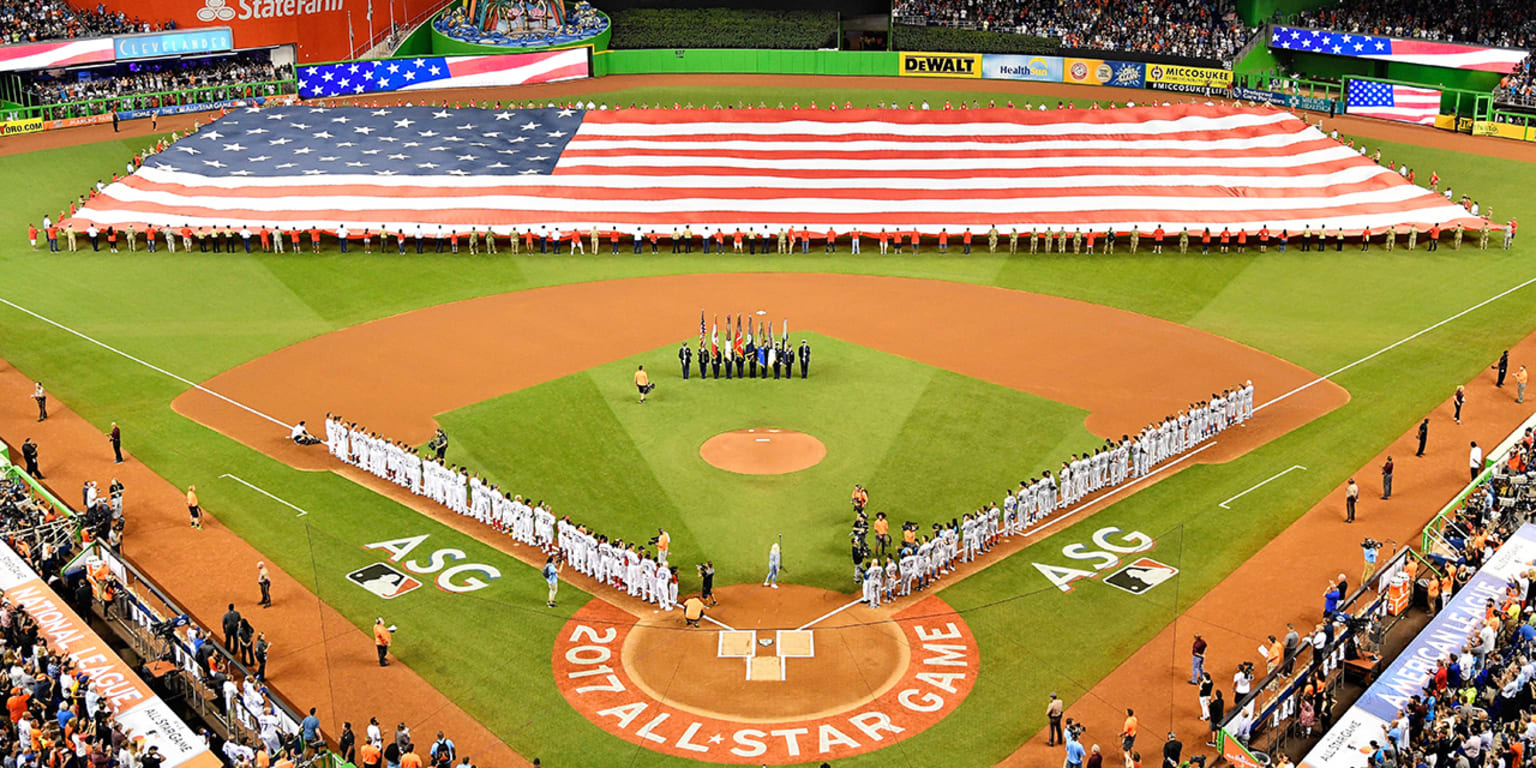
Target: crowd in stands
x,y
1207,29
1498,23
139,80
1519,86
21,509
29,21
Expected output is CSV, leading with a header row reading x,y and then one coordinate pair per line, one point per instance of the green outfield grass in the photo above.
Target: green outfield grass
x,y
886,421
933,435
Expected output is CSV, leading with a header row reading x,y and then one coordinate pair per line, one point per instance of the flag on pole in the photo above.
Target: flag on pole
x,y
785,337
740,348
749,329
701,326
714,335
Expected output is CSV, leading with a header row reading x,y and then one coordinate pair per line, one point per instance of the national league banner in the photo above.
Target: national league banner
x,y
142,713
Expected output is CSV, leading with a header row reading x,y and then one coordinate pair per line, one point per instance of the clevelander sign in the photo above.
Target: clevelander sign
x,y
941,65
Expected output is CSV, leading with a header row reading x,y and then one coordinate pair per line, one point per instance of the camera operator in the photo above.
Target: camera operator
x,y
1073,743
1369,550
1242,683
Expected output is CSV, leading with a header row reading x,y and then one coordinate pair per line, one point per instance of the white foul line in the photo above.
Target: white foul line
x,y
717,623
1115,490
828,615
1261,484
150,366
301,512
1395,344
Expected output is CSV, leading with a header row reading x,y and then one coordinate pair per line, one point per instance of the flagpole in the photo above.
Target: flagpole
x,y
370,24
351,43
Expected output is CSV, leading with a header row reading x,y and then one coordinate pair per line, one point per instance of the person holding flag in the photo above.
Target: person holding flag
x,y
741,350
727,350
751,353
714,345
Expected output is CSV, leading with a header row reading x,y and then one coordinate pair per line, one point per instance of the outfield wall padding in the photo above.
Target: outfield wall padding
x,y
742,61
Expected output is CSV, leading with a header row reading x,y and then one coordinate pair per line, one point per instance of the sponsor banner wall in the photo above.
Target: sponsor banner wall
x,y
322,28
941,64
211,40
1503,130
1203,80
1447,632
29,125
1000,66
1281,99
1125,74
140,711
72,122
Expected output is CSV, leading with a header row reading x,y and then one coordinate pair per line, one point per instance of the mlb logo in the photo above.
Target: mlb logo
x,y
1141,576
383,580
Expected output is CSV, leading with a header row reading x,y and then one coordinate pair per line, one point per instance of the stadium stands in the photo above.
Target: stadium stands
x,y
23,21
1502,23
152,77
1207,29
1520,86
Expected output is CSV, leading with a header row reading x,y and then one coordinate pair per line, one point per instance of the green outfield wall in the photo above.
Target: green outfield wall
x,y
741,61
1315,65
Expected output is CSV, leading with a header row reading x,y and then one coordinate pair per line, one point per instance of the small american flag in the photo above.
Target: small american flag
x,y
571,170
1369,98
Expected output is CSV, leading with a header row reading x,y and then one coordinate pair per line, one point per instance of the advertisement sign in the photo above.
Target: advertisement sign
x,y
1503,130
941,65
73,122
1343,745
182,109
1281,99
324,30
210,40
1125,74
1203,80
138,709
29,125
1043,69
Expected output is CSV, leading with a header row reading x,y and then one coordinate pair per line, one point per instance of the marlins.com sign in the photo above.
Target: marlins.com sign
x,y
1203,80
30,125
941,64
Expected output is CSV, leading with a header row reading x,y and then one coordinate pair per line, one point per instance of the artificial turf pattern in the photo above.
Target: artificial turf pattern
x,y
198,315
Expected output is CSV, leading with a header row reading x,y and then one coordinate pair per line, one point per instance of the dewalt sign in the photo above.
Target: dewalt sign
x,y
941,65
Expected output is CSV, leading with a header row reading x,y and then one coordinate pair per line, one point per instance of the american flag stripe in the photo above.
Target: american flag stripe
x,y
29,56
1176,166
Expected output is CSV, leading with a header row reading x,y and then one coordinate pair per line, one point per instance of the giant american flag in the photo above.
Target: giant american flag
x,y
574,170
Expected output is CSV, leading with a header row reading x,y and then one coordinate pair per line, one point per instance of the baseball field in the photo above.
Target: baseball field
x,y
938,381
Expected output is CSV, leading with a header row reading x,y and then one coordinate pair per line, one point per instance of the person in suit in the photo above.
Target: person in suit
x,y
684,356
1503,367
805,358
1423,435
29,455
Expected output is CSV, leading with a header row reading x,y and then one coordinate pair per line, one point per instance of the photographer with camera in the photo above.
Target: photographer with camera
x,y
1074,747
1370,550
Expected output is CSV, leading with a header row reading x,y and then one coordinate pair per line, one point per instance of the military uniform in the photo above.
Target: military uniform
x,y
684,356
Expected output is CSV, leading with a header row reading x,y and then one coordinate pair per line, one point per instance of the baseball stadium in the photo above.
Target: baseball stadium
x,y
1132,383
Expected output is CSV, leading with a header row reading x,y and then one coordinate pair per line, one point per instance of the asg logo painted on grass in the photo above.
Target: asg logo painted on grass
x,y
464,577
1106,556
591,672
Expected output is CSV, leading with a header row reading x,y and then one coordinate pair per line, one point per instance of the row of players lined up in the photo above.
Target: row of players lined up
x,y
626,566
919,560
264,239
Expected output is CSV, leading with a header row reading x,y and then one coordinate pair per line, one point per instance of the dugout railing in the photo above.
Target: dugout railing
x,y
1367,617
1434,540
155,627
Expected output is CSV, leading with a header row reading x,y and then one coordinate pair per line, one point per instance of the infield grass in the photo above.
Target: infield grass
x,y
199,314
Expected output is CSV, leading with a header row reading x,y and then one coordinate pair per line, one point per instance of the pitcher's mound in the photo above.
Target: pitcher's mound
x,y
763,451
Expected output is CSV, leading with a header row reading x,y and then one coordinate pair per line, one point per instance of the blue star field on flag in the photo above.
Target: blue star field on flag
x,y
352,78
1322,41
393,141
